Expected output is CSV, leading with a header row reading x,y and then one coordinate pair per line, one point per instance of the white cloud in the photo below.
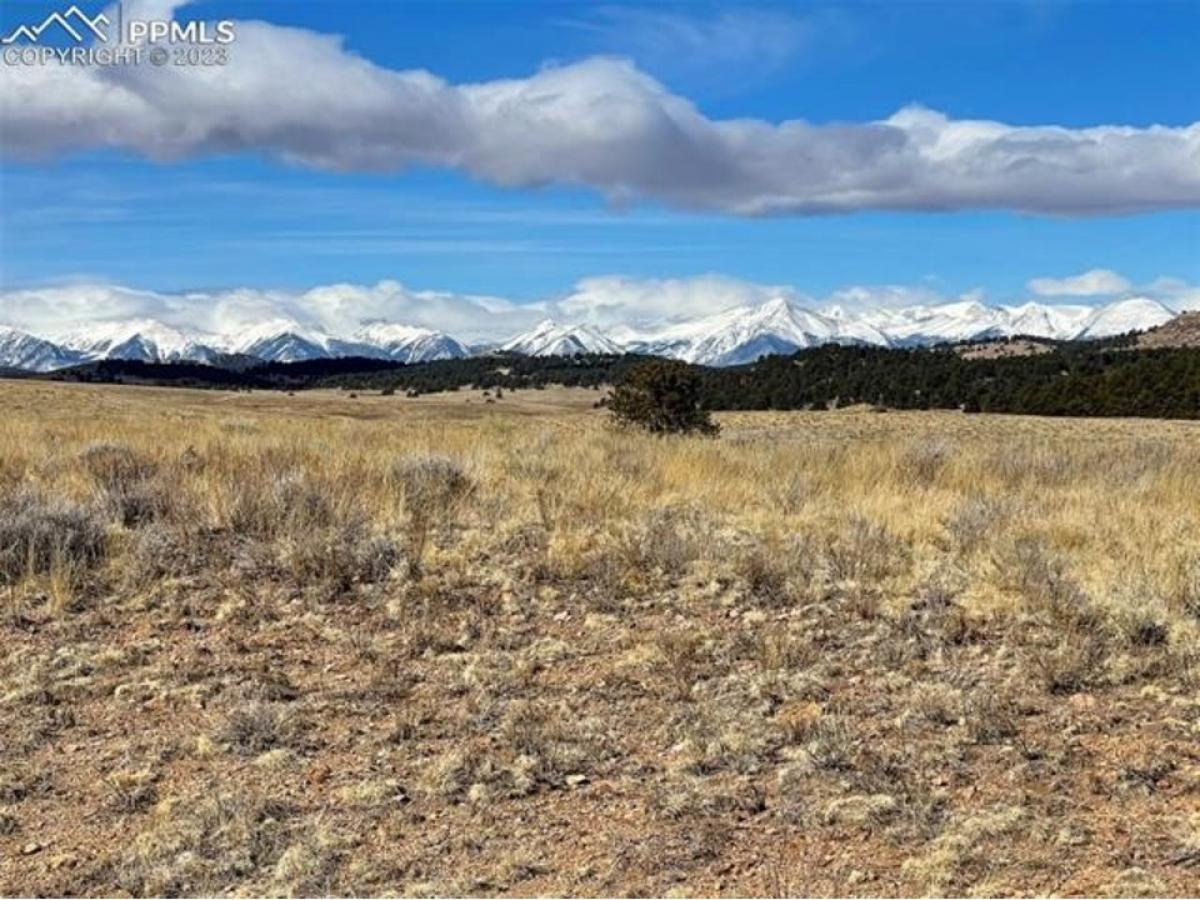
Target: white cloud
x,y
301,97
862,297
338,309
1175,292
616,299
1092,283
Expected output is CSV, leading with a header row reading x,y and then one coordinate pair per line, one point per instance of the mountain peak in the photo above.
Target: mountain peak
x,y
548,338
779,325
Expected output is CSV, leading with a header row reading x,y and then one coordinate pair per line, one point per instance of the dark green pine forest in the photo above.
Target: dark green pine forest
x,y
1069,379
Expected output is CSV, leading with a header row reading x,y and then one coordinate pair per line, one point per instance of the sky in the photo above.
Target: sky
x,y
531,153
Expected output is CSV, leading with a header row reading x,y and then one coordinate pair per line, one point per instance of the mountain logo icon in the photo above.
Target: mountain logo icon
x,y
73,21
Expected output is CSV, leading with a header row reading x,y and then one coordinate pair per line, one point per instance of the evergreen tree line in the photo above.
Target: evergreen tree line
x,y
1067,380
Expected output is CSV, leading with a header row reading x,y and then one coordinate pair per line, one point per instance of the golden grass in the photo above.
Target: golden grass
x,y
837,652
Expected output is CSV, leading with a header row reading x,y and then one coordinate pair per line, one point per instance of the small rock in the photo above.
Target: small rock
x,y
577,780
31,848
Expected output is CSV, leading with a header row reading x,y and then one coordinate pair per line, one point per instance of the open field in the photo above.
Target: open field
x,y
264,644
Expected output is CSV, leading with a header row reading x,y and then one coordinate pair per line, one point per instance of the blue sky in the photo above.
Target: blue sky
x,y
216,220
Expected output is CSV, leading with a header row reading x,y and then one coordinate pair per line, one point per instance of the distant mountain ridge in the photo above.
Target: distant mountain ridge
x,y
732,337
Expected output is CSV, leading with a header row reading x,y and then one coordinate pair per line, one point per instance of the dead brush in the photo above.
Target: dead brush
x,y
546,484
539,746
257,727
707,797
991,716
666,540
831,743
922,463
783,650
1023,464
1071,664
277,503
1049,592
901,774
975,522
1183,593
115,464
201,844
866,551
128,483
433,490
725,729
683,657
133,791
40,535
1074,646
332,560
778,572
164,550
1140,613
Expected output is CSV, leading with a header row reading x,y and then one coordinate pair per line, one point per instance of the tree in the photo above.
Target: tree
x,y
663,397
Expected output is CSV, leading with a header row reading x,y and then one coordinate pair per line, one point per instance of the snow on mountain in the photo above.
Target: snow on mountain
x,y
284,341
772,327
972,321
548,338
140,339
280,340
1041,320
734,336
19,350
408,344
1123,316
745,333
917,325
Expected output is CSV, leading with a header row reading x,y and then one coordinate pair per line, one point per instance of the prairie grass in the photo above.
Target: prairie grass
x,y
397,645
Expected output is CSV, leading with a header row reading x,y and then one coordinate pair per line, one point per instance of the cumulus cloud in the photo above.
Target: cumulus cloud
x,y
1175,293
302,97
617,299
337,309
1092,283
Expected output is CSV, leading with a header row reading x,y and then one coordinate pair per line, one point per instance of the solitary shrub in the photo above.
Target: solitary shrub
x,y
285,503
338,556
37,534
663,397
433,488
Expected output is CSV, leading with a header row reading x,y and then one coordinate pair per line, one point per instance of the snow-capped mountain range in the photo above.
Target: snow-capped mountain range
x,y
738,335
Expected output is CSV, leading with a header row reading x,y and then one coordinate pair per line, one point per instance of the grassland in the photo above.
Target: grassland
x,y
261,644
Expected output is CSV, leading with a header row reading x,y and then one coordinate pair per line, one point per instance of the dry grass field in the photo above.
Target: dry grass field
x,y
263,644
